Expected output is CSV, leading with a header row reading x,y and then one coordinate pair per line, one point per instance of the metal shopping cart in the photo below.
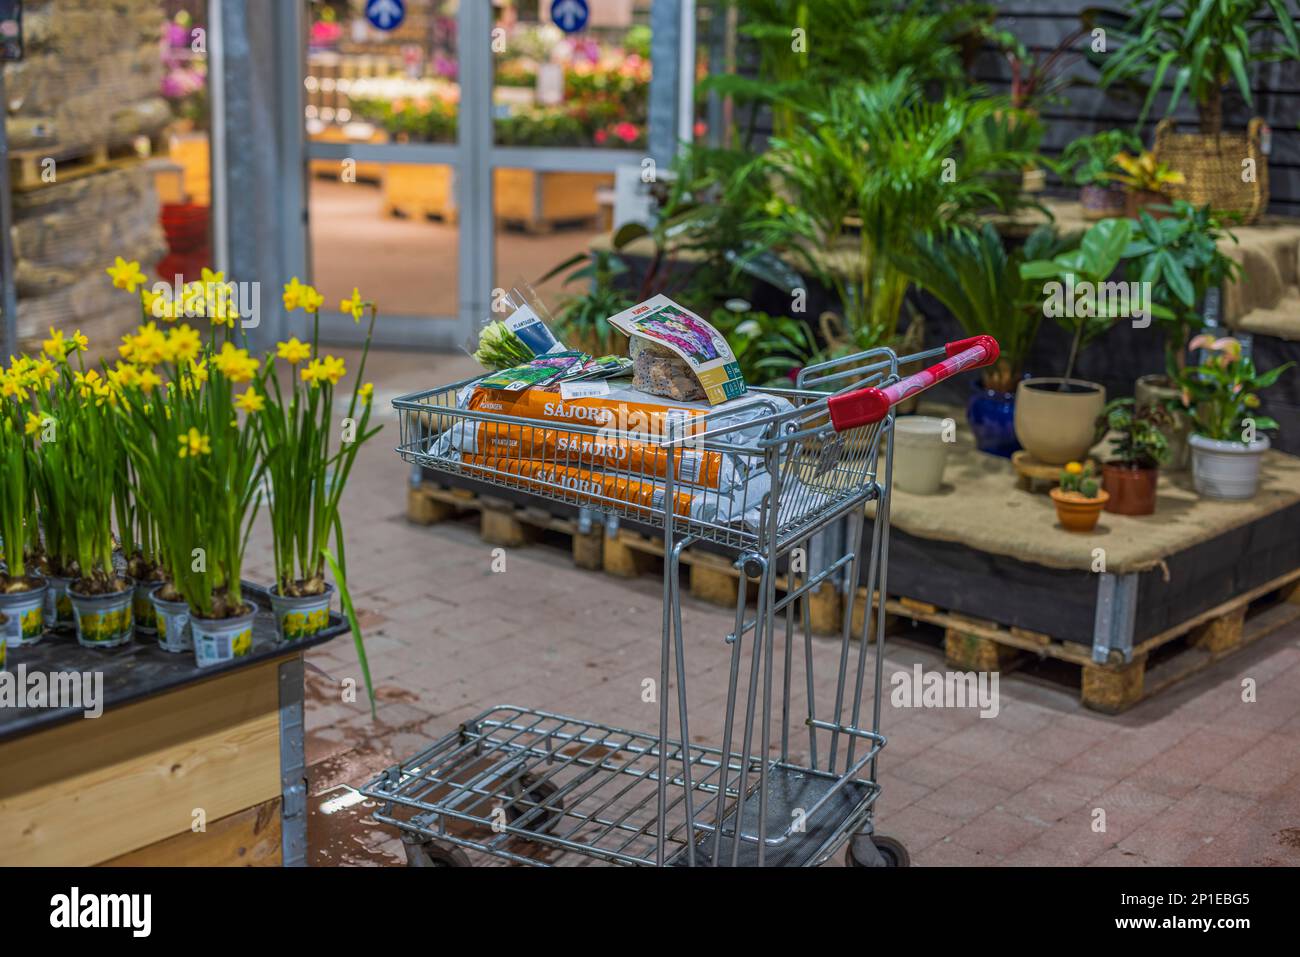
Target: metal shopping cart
x,y
513,778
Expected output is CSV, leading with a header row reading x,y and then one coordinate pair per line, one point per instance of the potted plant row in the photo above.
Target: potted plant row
x,y
134,485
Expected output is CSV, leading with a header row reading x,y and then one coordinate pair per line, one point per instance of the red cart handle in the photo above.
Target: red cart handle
x,y
865,406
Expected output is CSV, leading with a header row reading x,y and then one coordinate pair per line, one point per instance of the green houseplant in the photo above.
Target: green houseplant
x,y
1222,394
979,281
1055,418
1137,450
1179,257
22,592
1089,164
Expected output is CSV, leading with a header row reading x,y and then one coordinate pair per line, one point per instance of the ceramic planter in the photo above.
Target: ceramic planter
x,y
298,618
1132,490
218,640
173,623
25,614
104,621
1227,470
992,418
920,454
1058,425
1102,202
58,606
1076,513
1152,390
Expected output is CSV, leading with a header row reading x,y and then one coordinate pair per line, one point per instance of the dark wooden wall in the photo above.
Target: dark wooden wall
x,y
1042,24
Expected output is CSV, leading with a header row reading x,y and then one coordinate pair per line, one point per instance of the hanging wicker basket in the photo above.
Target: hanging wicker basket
x,y
1212,167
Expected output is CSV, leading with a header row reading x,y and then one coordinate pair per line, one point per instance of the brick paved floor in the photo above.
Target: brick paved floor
x,y
1194,776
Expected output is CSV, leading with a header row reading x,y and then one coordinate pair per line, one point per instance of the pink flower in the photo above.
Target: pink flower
x,y
601,137
1202,341
627,132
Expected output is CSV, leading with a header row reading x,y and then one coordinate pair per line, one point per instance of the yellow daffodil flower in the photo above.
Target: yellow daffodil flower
x,y
149,380
183,344
34,422
80,342
293,294
332,368
236,364
56,347
367,392
125,275
250,401
292,351
194,444
356,306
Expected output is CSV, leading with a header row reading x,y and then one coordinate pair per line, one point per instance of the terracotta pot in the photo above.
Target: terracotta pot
x,y
1102,202
1058,426
1132,490
1076,513
1137,200
1152,390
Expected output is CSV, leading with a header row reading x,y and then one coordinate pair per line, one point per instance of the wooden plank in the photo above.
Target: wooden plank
x,y
87,791
248,838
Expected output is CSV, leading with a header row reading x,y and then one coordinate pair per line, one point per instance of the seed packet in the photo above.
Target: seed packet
x,y
538,372
708,359
606,367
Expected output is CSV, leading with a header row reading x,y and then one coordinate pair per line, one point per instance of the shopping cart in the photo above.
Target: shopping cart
x,y
514,778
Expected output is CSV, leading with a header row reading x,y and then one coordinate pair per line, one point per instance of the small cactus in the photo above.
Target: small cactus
x,y
1080,478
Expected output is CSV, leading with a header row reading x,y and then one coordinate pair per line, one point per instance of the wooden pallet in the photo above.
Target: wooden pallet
x,y
1161,661
27,166
628,554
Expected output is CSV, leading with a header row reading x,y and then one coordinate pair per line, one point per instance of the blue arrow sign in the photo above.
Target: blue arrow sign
x,y
570,15
386,14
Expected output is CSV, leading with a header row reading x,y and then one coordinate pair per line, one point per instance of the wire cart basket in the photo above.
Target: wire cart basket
x,y
515,777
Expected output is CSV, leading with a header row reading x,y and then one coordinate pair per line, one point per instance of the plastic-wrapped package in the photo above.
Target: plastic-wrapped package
x,y
659,371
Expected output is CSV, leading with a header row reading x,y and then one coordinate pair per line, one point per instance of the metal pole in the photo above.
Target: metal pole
x,y
9,296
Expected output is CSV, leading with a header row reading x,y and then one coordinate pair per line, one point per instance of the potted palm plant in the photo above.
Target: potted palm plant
x,y
307,469
973,275
1222,395
1204,47
876,166
1089,163
22,592
1055,418
1137,450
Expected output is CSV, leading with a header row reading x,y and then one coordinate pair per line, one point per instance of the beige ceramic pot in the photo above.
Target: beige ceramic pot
x,y
1056,421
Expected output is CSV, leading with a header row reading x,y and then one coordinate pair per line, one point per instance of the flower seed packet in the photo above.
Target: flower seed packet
x,y
664,323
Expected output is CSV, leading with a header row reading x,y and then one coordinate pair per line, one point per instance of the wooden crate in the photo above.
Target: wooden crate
x,y
539,201
124,788
419,190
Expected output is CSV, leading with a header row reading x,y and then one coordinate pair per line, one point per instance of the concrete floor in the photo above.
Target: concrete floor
x,y
1193,776
414,261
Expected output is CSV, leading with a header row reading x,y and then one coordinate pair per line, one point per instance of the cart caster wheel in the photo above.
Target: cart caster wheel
x,y
530,789
434,854
876,850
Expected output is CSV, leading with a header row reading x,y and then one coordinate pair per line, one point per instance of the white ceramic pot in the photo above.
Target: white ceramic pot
x,y
920,454
1228,470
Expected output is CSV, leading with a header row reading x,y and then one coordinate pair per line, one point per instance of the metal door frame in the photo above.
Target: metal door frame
x,y
473,158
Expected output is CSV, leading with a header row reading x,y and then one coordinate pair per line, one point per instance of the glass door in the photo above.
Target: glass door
x,y
474,144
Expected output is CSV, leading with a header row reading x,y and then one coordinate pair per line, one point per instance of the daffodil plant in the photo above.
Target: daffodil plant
x,y
308,469
15,493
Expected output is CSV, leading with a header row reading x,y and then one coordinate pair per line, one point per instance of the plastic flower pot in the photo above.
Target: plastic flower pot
x,y
25,613
920,454
303,617
1132,490
146,620
1056,420
219,640
1226,470
992,418
58,606
104,621
1076,513
173,623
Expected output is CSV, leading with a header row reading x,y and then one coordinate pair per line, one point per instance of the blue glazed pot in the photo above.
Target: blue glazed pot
x,y
992,418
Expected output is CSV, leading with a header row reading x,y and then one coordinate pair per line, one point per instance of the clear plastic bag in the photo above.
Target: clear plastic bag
x,y
517,331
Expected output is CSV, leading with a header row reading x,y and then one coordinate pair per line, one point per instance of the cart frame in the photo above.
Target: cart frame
x,y
810,458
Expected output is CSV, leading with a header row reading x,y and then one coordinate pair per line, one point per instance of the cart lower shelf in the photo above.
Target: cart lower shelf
x,y
515,776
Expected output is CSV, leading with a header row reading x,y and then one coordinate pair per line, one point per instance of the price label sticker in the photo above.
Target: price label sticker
x,y
582,390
